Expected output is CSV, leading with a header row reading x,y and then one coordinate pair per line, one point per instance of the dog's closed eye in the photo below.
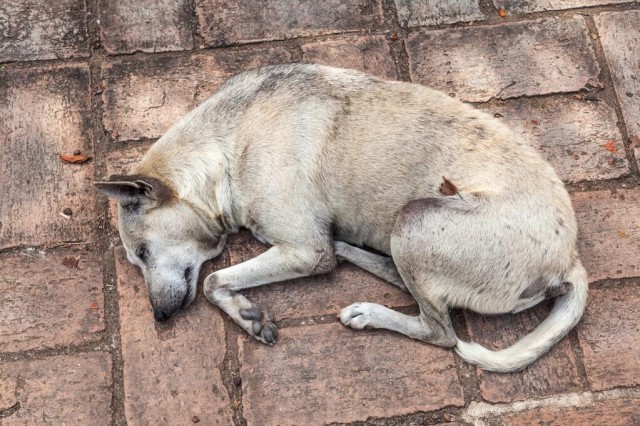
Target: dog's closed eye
x,y
142,252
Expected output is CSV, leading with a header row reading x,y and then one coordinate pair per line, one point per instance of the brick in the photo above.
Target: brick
x,y
432,12
368,54
122,162
47,304
609,335
528,6
225,22
323,294
327,373
33,30
71,389
144,98
620,40
554,373
570,134
617,412
608,232
172,369
503,61
145,25
45,112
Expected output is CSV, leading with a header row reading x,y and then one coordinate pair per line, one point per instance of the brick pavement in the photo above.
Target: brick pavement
x,y
78,341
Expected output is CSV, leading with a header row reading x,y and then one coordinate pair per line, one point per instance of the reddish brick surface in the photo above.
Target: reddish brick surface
x,y
368,54
503,61
36,30
609,232
431,12
172,369
229,22
620,40
327,373
64,389
552,374
617,412
319,295
145,25
144,98
47,304
528,6
610,337
570,134
45,112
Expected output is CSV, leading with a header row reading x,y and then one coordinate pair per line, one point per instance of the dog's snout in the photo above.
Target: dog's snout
x,y
164,314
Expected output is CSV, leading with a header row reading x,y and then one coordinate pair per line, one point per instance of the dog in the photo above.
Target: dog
x,y
319,162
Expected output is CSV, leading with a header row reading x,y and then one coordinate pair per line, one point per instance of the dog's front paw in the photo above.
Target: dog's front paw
x,y
356,316
262,326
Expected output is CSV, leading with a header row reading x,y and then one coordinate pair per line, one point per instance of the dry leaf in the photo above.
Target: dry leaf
x,y
394,36
94,305
71,262
447,187
535,122
634,142
502,12
611,146
622,234
74,158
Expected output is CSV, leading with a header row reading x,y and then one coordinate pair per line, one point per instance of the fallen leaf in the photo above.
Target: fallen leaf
x,y
611,146
71,262
634,142
535,122
74,158
502,12
447,187
394,36
94,305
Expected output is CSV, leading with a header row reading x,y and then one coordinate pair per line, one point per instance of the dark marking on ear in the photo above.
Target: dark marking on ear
x,y
135,188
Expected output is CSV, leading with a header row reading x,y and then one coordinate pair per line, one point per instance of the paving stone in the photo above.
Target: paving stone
x,y
327,373
368,54
33,30
506,60
45,112
609,232
554,373
433,12
171,369
528,6
122,162
64,389
621,43
144,98
47,304
145,25
610,337
570,134
225,22
323,294
617,412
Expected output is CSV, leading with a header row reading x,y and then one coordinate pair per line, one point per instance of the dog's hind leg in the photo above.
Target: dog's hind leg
x,y
380,266
431,326
276,264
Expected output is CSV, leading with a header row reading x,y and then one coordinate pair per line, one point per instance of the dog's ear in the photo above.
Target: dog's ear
x,y
133,189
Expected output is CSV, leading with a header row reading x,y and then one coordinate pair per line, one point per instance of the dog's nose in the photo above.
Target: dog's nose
x,y
162,314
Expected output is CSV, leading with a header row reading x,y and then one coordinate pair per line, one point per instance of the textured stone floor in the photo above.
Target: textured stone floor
x,y
106,78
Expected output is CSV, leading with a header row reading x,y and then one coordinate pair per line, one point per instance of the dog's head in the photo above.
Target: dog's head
x,y
165,236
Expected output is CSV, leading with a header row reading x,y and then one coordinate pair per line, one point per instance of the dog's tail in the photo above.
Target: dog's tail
x,y
565,314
